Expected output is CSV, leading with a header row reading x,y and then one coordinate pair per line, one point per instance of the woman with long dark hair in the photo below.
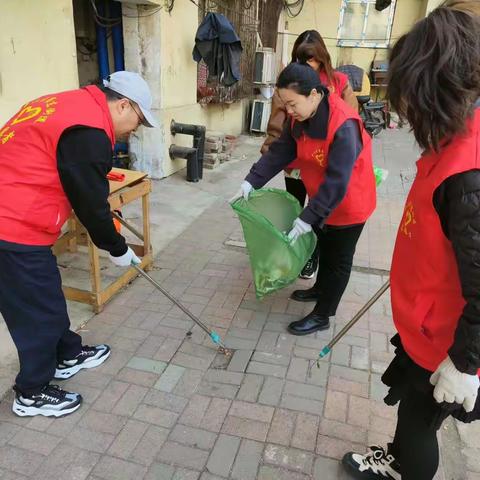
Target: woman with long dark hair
x,y
325,139
434,84
310,48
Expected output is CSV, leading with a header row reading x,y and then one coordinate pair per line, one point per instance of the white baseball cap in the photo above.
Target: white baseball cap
x,y
132,86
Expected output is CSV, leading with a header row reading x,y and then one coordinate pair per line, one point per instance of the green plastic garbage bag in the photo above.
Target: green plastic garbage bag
x,y
266,219
380,175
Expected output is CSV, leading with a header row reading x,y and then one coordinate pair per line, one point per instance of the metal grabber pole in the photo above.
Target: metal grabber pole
x,y
215,337
328,348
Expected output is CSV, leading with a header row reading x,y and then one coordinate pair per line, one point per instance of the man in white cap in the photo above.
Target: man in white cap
x,y
55,154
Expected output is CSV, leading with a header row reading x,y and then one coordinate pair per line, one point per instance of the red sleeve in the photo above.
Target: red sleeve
x,y
341,81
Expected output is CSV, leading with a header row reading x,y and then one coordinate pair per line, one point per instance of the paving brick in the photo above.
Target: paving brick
x,y
86,439
282,426
109,397
160,471
215,414
128,439
267,342
130,400
359,411
7,431
195,411
209,476
304,390
340,430
19,461
329,469
111,468
79,469
243,427
273,358
271,391
168,348
349,374
266,369
103,422
305,433
56,464
251,411
157,416
222,376
223,455
247,461
341,355
189,383
137,377
336,405
239,361
239,343
147,449
348,386
292,402
183,456
298,369
221,390
290,458
273,473
189,361
192,437
167,401
147,365
336,448
360,358
169,378
250,387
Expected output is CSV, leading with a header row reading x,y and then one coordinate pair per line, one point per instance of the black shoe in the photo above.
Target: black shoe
x,y
52,401
89,357
376,464
309,295
313,322
310,268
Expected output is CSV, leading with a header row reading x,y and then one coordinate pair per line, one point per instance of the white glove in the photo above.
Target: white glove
x,y
126,259
299,228
245,190
454,386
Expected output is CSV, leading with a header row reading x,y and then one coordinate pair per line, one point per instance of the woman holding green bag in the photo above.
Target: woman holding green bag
x,y
325,139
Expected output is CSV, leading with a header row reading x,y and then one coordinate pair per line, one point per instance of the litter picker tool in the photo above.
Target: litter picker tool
x,y
215,337
328,348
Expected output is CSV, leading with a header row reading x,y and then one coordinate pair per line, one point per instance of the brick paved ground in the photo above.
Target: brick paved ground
x,y
166,406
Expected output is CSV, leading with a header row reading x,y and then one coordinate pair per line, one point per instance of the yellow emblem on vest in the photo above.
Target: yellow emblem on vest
x,y
319,156
408,220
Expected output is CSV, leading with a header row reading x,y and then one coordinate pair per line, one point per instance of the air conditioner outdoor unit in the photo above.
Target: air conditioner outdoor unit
x,y
260,115
264,69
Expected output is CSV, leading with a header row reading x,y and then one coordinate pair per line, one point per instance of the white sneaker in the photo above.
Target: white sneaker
x,y
376,464
89,357
51,401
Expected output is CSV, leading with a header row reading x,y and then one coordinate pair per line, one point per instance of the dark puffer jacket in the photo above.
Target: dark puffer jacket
x,y
457,202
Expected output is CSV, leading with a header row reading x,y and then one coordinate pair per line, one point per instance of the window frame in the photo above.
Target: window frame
x,y
362,42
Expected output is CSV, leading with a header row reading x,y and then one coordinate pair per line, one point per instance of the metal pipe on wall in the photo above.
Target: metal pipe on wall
x,y
102,46
117,36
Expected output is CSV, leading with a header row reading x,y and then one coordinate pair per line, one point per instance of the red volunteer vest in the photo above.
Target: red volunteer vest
x,y
338,83
312,160
33,205
425,286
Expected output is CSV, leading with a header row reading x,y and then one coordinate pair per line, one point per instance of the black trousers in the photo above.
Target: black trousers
x,y
296,188
34,308
415,444
336,248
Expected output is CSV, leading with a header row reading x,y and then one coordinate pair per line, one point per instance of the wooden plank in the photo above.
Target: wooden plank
x,y
131,177
118,199
77,295
95,278
146,223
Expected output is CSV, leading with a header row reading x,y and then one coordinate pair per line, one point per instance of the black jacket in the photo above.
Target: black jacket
x,y
220,48
457,202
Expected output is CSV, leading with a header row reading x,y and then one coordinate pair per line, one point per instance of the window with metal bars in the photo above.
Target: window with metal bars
x,y
361,25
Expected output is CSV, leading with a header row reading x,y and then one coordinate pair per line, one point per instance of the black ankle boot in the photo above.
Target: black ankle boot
x,y
313,322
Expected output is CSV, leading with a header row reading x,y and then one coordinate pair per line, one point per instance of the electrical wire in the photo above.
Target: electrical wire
x,y
290,7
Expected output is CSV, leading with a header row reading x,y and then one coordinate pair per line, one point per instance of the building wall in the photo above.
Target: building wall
x,y
160,48
37,51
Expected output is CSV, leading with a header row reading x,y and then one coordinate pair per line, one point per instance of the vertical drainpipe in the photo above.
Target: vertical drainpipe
x,y
117,36
102,48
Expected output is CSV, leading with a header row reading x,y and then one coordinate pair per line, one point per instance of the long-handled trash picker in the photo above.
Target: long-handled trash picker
x,y
328,348
215,337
